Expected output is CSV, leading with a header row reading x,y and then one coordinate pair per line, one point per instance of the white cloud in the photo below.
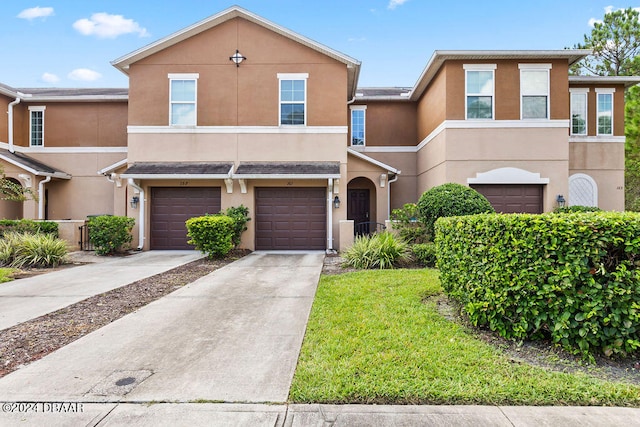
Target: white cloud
x,y
356,39
108,26
36,12
84,74
395,3
50,78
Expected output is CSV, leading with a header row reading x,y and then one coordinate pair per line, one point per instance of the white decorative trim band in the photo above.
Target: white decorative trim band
x,y
238,129
64,150
602,138
507,176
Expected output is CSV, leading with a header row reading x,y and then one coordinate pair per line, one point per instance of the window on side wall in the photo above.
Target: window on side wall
x,y
604,108
183,91
36,126
534,91
293,99
579,111
479,85
358,113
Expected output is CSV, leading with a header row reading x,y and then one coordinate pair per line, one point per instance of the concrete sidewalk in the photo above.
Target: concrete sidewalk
x,y
28,298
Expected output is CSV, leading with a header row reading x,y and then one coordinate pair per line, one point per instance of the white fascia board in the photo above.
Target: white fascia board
x,y
372,161
285,176
64,150
60,175
112,167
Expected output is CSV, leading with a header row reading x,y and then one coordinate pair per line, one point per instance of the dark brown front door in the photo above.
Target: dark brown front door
x,y
513,198
172,206
358,209
291,218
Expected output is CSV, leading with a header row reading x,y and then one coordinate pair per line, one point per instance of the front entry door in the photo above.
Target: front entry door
x,y
358,209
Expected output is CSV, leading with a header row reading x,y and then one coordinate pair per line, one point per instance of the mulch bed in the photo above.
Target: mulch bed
x,y
34,339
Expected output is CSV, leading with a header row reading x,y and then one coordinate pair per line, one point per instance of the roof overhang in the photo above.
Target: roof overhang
x,y
373,161
288,170
353,65
111,168
31,165
627,81
179,170
440,56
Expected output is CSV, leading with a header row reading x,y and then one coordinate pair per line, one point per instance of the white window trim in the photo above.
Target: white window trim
x,y
364,124
40,108
480,67
605,91
529,67
184,76
580,91
292,76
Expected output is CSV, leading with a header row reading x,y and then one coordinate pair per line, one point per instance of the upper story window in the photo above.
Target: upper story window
x,y
36,126
358,124
293,98
479,90
183,99
579,111
534,91
604,108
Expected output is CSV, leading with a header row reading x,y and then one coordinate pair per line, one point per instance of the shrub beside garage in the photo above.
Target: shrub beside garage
x,y
573,278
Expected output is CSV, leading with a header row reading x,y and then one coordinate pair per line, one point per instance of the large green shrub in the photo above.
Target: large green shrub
x,y
28,226
406,223
450,200
380,250
576,208
21,250
110,234
211,234
425,254
240,215
573,278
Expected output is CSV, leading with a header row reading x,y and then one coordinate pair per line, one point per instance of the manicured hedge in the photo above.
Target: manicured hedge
x,y
573,278
110,234
212,234
28,226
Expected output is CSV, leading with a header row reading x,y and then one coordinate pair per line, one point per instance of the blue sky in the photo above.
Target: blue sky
x,y
70,43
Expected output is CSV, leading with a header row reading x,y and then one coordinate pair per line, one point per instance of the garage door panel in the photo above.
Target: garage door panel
x,y
513,198
290,218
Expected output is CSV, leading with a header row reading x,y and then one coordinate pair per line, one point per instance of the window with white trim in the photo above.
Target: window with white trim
x,y
604,109
579,110
183,90
534,91
293,98
358,115
36,126
479,91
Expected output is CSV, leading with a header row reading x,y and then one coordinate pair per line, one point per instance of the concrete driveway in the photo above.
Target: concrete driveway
x,y
32,297
231,336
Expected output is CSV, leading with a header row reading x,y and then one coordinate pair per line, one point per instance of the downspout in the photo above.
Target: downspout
x,y
142,214
41,197
395,178
330,215
10,112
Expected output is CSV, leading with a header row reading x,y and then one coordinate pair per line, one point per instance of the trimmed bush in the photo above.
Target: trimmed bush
x,y
577,208
573,278
406,223
28,226
110,234
240,216
20,250
211,234
450,200
425,254
380,250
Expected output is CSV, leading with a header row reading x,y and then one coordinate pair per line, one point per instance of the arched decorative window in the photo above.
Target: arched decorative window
x,y
583,190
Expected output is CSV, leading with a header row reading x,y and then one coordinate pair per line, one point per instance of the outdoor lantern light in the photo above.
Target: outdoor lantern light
x,y
237,58
560,200
336,202
134,201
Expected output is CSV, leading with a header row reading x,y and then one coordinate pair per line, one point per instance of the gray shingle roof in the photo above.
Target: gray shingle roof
x,y
288,168
178,168
32,165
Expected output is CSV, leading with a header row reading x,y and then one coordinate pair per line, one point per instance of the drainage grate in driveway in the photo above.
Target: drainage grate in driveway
x,y
119,383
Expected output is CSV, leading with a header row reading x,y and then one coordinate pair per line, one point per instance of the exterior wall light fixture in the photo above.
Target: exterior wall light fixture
x,y
237,58
560,201
336,202
134,202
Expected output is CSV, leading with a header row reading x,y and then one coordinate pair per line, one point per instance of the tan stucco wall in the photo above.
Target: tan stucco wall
x,y
432,107
403,190
389,123
238,96
4,122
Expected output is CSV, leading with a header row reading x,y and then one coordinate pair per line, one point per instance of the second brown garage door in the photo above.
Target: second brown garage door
x,y
291,218
172,206
513,198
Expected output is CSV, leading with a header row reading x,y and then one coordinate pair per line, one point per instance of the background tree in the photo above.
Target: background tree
x,y
615,43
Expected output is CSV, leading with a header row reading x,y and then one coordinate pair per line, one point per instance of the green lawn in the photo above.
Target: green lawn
x,y
371,338
5,274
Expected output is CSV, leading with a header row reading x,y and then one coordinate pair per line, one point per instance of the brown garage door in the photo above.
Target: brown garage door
x,y
513,198
291,218
172,206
